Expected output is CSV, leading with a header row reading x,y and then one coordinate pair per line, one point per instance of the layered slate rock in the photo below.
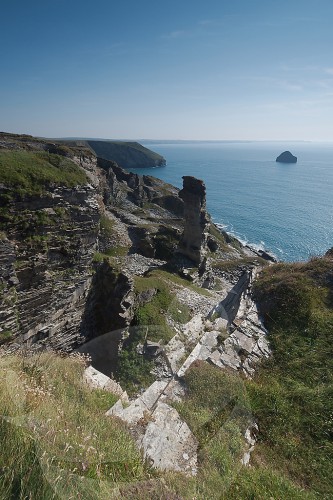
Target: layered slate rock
x,y
193,243
286,157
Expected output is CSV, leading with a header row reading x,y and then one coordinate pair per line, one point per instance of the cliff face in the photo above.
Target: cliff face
x,y
48,241
51,234
76,230
131,271
126,154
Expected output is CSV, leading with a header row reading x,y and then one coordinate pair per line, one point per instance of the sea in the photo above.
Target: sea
x,y
285,209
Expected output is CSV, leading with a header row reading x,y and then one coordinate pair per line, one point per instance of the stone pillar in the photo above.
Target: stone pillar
x,y
193,243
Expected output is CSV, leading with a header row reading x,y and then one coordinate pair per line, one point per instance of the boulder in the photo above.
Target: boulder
x,y
97,380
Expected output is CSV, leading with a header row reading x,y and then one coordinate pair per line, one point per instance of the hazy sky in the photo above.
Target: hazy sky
x,y
214,69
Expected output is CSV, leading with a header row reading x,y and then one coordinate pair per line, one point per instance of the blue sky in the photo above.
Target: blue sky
x,y
227,69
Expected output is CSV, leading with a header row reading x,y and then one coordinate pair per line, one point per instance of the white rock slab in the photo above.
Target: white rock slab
x,y
130,414
201,351
175,351
168,442
97,380
153,393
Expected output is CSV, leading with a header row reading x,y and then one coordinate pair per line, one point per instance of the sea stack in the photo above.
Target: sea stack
x,y
286,157
193,242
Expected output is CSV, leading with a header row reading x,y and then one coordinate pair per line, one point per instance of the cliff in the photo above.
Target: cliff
x,y
62,210
131,272
129,155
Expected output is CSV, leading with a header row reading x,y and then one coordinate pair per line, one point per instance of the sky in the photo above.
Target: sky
x,y
194,70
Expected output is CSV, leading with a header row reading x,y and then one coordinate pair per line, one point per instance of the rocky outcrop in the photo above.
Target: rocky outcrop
x,y
165,439
193,243
99,267
286,157
108,304
234,342
51,294
47,251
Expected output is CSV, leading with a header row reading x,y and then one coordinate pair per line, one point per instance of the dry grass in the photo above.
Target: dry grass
x,y
54,436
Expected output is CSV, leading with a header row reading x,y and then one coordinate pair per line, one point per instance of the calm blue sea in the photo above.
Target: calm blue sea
x,y
285,209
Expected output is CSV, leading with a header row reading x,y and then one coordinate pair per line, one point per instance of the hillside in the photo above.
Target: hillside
x,y
129,155
134,353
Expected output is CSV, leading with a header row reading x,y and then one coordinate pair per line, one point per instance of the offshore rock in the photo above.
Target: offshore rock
x,y
286,157
193,243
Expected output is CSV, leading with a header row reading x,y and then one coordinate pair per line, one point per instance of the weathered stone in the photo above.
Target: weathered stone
x,y
97,380
228,308
168,442
152,348
202,350
137,408
193,243
130,414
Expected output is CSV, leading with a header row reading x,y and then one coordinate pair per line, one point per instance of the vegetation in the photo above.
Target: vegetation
x,y
292,396
5,336
55,440
218,409
153,321
32,173
234,264
133,369
106,225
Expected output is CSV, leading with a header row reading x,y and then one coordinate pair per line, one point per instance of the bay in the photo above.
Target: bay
x,y
286,209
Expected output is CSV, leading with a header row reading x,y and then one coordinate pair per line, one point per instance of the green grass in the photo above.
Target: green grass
x,y
162,305
292,396
111,252
55,439
217,411
107,225
55,423
171,278
32,173
5,336
151,321
233,264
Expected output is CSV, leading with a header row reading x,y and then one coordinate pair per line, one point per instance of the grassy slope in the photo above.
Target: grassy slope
x,y
55,439
217,409
32,173
292,396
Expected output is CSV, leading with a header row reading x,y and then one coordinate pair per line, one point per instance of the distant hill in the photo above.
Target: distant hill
x,y
126,154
